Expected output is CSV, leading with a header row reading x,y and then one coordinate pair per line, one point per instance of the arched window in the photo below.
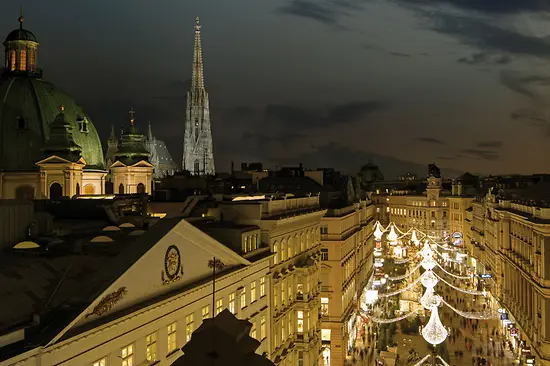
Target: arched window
x,y
301,242
24,192
23,60
141,188
12,60
89,189
56,191
283,248
276,251
77,189
289,247
121,188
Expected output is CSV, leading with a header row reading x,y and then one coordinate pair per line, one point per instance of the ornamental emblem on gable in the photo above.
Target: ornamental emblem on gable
x,y
173,270
108,302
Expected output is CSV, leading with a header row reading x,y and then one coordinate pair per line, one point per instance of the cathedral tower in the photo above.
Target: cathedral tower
x,y
198,155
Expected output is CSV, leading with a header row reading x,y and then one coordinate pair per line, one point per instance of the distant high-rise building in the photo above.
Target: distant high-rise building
x,y
198,155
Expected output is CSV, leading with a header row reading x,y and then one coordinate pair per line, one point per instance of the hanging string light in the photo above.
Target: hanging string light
x,y
376,319
470,292
408,274
411,285
434,332
414,239
485,315
422,360
454,275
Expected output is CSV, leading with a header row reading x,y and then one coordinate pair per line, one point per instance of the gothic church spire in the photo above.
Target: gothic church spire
x,y
197,82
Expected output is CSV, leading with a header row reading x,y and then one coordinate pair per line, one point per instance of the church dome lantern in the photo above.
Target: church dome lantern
x,y
131,148
21,51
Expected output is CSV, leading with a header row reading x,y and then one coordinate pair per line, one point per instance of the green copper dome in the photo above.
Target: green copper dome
x,y
28,107
131,148
21,34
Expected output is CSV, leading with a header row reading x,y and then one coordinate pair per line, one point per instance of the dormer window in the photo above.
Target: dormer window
x,y
82,124
21,123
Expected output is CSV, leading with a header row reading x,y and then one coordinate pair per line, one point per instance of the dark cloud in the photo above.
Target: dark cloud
x,y
490,144
240,111
532,118
481,154
264,139
328,12
399,54
489,6
521,84
485,58
352,111
350,160
431,140
481,34
296,117
445,158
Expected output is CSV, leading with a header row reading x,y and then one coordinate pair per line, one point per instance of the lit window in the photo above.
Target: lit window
x,y
128,355
300,328
243,298
283,334
219,306
189,326
12,60
253,292
262,287
275,251
262,327
282,292
283,247
151,341
325,335
324,306
23,60
205,312
289,247
253,330
232,303
324,254
102,362
172,338
290,327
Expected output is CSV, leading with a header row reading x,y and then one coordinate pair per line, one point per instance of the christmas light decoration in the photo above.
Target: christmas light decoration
x,y
422,360
414,239
411,285
378,232
485,315
454,275
376,319
428,279
392,236
408,274
430,300
442,360
428,263
470,292
434,332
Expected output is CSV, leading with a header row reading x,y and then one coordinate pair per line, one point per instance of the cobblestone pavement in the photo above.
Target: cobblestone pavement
x,y
480,338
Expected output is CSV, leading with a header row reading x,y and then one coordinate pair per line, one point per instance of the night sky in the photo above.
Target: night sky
x,y
464,83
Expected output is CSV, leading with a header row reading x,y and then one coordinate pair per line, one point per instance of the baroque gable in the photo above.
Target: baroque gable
x,y
176,261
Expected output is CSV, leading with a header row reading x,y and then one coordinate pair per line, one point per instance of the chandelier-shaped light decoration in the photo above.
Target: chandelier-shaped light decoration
x,y
414,239
430,300
428,263
434,332
429,280
426,250
378,232
392,236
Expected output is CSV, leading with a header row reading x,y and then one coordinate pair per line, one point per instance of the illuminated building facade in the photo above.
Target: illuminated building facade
x,y
290,227
147,290
347,259
428,212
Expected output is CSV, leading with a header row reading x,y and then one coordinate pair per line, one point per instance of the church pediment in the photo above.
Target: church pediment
x,y
177,257
54,159
118,164
142,164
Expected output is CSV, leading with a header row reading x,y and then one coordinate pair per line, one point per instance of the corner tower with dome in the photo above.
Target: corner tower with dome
x,y
29,107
